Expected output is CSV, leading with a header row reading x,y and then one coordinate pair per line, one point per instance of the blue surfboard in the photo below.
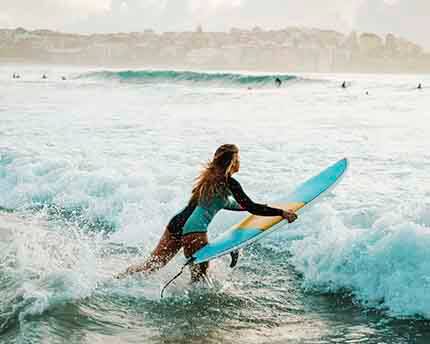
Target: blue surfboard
x,y
253,227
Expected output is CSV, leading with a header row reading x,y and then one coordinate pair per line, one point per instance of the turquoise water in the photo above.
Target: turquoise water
x,y
92,168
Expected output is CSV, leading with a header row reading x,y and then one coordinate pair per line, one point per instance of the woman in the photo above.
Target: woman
x,y
215,189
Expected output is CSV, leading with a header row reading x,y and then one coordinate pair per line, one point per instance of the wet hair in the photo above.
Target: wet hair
x,y
212,181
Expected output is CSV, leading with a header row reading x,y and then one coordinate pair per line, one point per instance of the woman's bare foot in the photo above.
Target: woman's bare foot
x,y
130,271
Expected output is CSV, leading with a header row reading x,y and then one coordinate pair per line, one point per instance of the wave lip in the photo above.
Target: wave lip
x,y
171,76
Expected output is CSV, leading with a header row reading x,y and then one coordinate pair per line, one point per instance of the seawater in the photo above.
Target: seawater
x,y
93,167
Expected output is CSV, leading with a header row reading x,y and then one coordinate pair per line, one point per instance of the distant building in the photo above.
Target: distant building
x,y
371,44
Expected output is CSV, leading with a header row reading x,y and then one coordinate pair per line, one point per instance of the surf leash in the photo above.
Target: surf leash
x,y
190,261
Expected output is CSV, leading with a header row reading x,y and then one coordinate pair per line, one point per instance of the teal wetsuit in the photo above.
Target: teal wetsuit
x,y
196,216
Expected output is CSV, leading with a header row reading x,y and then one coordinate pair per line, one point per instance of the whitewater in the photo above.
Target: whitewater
x,y
93,167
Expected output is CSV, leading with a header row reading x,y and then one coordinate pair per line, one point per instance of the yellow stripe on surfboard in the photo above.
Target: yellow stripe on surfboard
x,y
265,222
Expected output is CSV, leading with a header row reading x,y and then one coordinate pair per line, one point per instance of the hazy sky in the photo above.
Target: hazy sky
x,y
407,18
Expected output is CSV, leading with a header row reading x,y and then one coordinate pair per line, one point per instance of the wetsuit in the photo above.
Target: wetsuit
x,y
196,216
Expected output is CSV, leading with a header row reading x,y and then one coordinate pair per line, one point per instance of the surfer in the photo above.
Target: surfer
x,y
344,84
215,189
419,86
278,82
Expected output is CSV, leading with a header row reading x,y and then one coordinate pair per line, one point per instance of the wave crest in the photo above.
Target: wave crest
x,y
217,79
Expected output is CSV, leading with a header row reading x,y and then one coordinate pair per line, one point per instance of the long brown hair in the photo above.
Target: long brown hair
x,y
212,180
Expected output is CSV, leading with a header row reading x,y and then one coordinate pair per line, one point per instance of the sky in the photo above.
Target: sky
x,y
406,18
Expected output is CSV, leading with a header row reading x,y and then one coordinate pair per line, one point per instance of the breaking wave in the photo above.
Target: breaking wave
x,y
170,76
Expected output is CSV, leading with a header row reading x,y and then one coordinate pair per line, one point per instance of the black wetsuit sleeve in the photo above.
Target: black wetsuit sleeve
x,y
247,204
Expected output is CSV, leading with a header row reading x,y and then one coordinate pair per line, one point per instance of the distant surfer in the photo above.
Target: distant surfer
x,y
278,82
215,189
63,78
419,86
44,76
344,84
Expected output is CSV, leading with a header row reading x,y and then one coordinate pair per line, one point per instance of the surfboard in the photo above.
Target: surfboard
x,y
253,227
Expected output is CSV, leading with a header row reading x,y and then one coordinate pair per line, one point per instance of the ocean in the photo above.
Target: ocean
x,y
93,167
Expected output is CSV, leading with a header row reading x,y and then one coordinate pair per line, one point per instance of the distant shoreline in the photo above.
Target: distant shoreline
x,y
299,49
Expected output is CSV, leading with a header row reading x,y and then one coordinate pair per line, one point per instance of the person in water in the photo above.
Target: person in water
x,y
419,86
215,189
278,82
344,84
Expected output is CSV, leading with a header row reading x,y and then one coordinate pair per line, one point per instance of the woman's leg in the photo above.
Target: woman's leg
x,y
166,249
193,242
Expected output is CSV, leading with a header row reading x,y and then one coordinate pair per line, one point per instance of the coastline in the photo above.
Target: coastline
x,y
291,49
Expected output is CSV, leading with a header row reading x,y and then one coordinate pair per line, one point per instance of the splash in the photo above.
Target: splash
x,y
385,266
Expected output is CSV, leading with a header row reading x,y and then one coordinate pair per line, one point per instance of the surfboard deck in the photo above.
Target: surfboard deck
x,y
254,227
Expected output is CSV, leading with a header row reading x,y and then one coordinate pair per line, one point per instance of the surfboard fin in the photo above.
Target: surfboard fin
x,y
234,258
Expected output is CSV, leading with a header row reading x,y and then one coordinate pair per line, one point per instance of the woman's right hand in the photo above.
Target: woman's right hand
x,y
289,216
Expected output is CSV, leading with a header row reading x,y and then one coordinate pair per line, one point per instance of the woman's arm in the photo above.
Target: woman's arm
x,y
247,204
